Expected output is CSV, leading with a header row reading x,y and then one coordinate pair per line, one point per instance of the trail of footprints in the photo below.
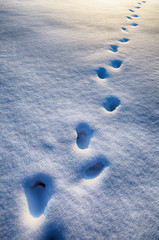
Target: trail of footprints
x,y
39,188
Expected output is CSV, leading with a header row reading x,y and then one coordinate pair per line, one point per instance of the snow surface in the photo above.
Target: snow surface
x,y
79,119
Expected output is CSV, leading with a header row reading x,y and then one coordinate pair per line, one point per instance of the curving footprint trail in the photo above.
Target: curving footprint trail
x,y
84,132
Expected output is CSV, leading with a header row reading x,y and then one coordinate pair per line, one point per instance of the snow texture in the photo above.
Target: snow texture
x,y
79,120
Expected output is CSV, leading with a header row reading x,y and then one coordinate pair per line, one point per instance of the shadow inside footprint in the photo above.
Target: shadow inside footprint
x,y
55,235
128,17
102,73
124,29
52,232
134,24
138,7
114,48
124,40
131,10
116,63
111,103
135,15
84,134
38,190
93,169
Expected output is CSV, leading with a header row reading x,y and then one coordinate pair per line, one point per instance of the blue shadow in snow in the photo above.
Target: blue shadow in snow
x,y
116,63
114,48
84,134
52,232
124,29
95,167
38,190
131,10
111,103
102,73
124,40
134,24
135,15
128,17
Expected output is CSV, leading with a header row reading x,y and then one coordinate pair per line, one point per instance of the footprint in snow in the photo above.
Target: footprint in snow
x,y
84,135
135,15
124,40
116,63
95,168
111,103
53,232
144,1
138,7
131,10
124,29
102,73
38,190
114,48
134,24
128,17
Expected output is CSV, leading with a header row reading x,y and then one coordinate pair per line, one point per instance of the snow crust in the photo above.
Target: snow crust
x,y
79,120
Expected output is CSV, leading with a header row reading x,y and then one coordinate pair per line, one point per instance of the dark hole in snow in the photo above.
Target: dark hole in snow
x,y
94,169
38,190
102,73
116,63
114,48
84,134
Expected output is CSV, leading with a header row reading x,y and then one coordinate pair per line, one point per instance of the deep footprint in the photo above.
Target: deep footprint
x,y
138,7
124,40
135,15
116,63
53,232
94,169
38,190
111,103
131,10
102,73
134,24
84,135
114,48
124,29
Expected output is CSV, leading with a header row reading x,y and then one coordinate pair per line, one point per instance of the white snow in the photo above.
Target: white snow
x,y
79,120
